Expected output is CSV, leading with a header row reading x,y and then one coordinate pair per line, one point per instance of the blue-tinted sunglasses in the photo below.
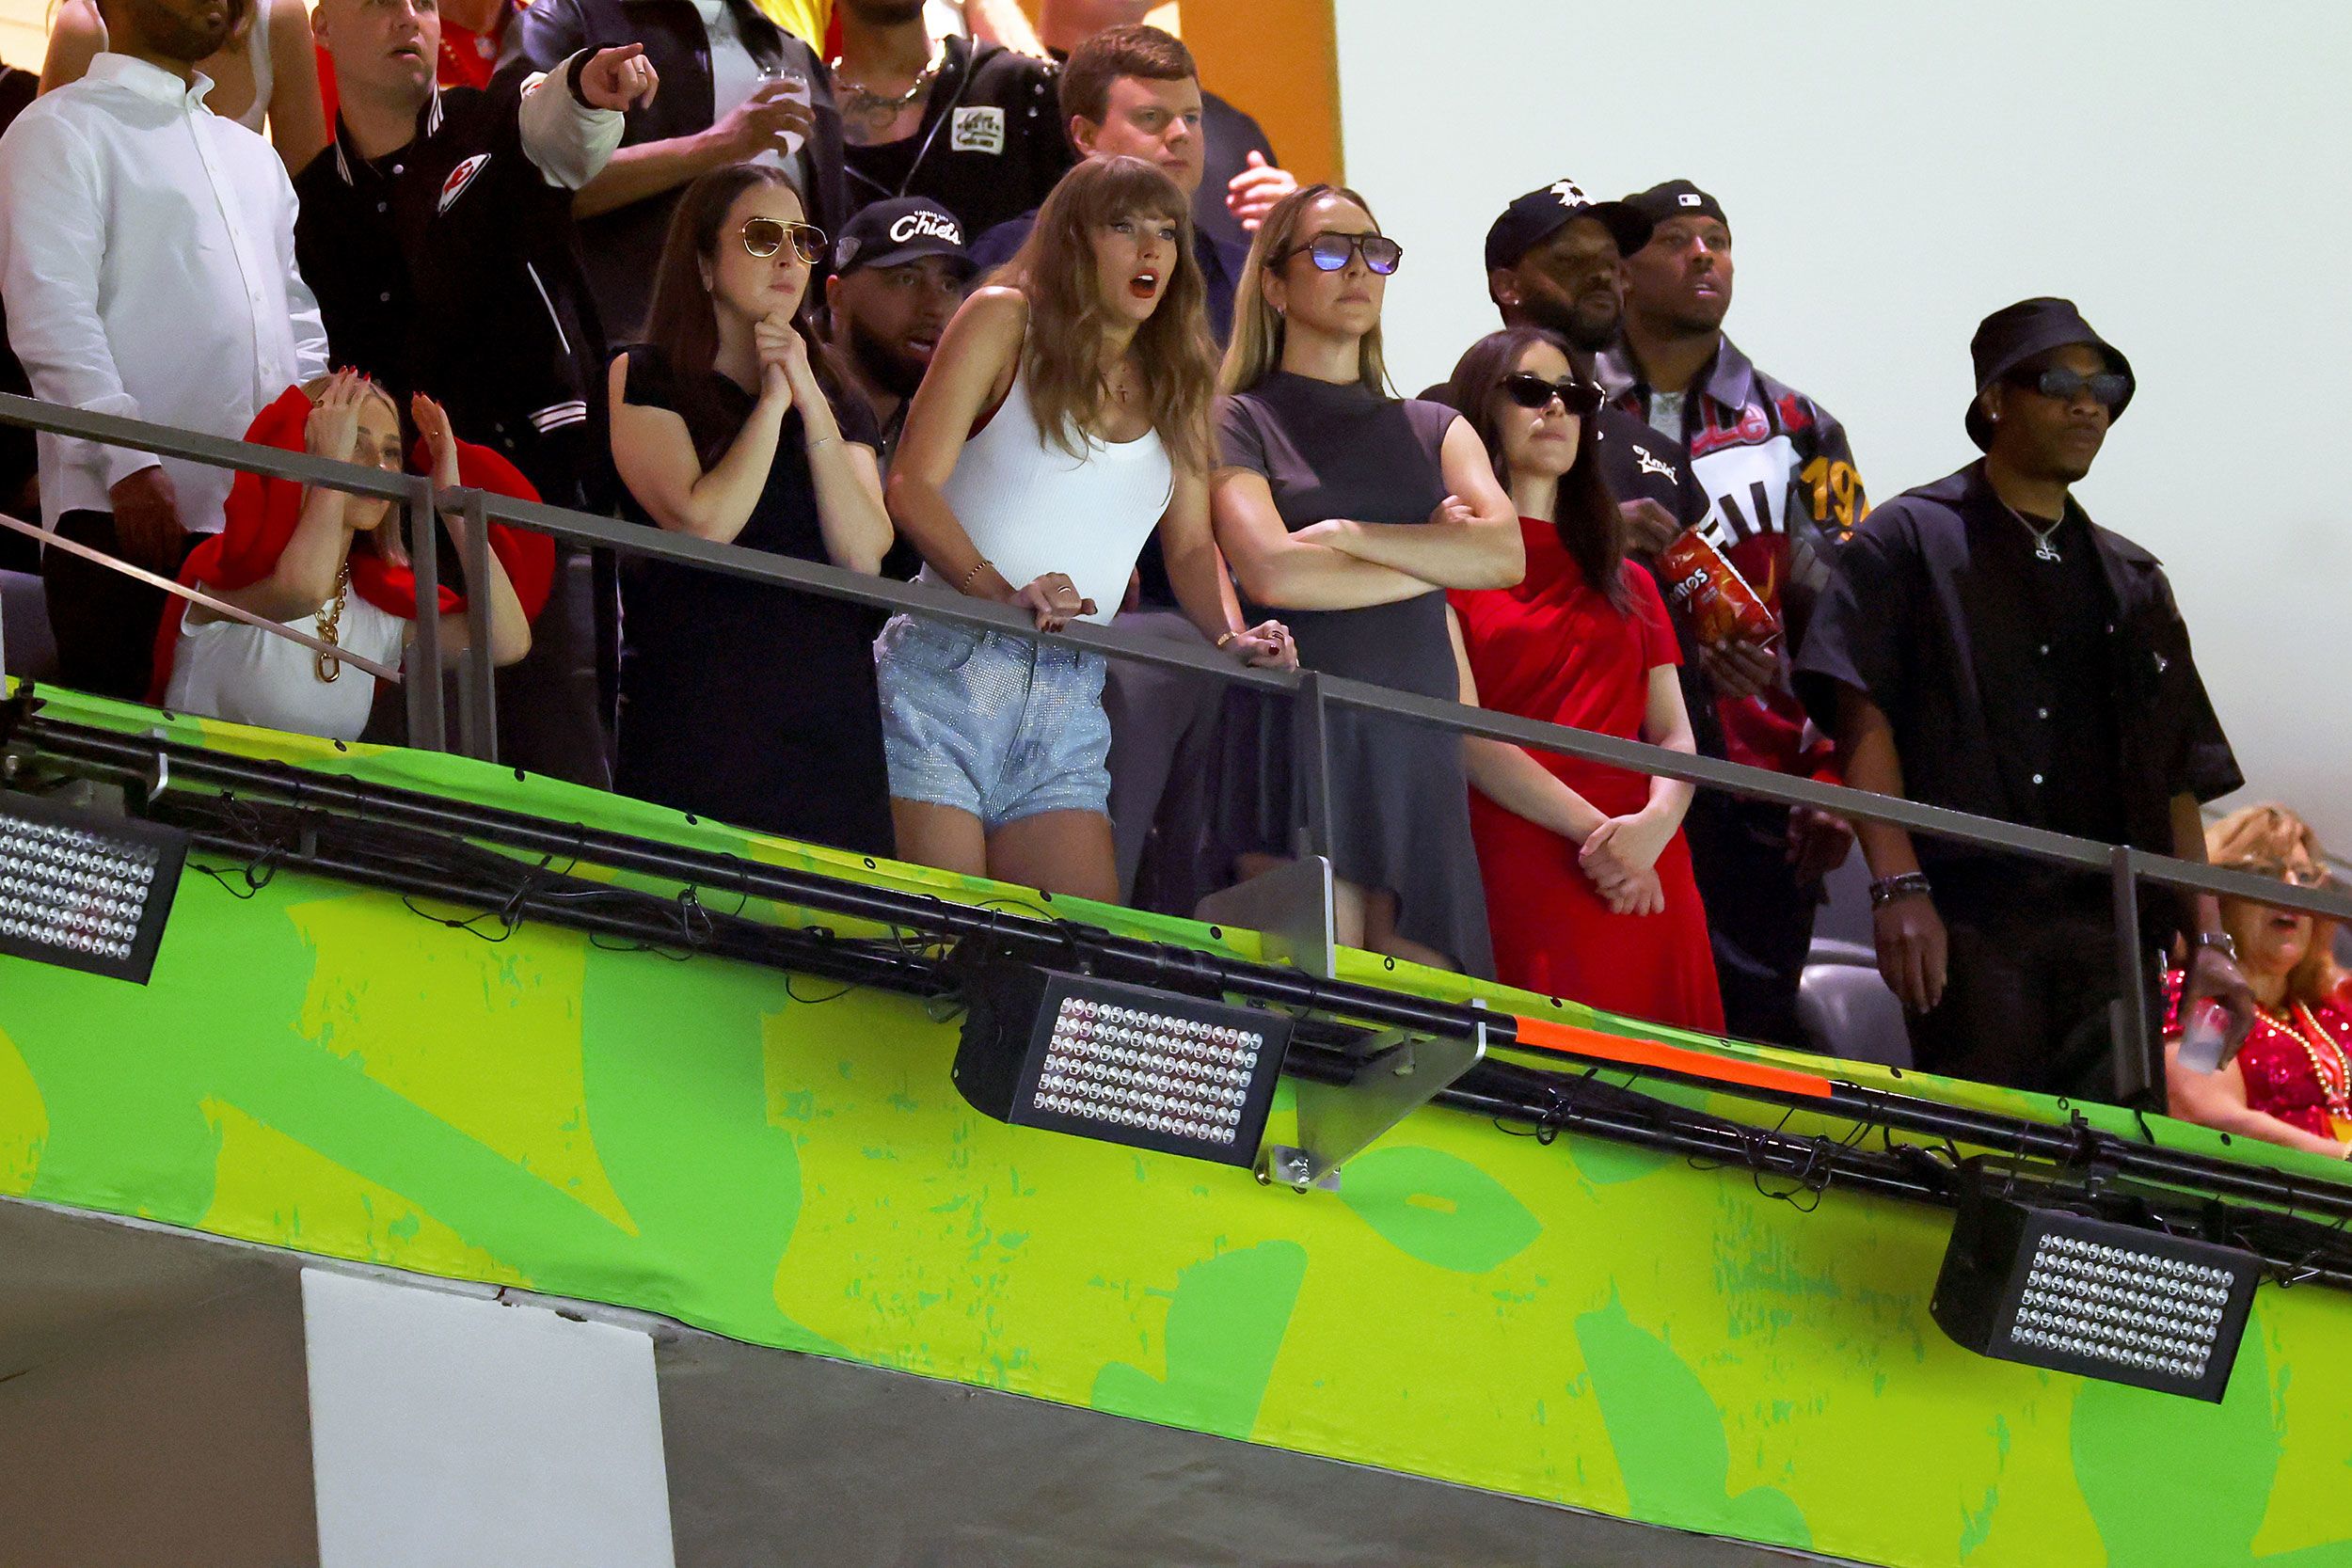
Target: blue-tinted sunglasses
x,y
1330,252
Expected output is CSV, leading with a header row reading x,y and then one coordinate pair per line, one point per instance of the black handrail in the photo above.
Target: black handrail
x,y
2125,865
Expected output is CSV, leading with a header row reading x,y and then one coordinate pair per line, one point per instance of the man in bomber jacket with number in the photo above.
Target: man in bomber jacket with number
x,y
1781,494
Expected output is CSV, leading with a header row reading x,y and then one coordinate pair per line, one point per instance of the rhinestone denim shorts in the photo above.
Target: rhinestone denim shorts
x,y
992,724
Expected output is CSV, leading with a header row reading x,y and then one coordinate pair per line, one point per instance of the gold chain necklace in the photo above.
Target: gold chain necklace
x,y
329,619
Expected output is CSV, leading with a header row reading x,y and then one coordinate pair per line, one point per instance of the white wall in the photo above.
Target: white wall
x,y
449,1430
1893,171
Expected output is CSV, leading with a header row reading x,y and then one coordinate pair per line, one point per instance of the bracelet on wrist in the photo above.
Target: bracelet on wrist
x,y
974,575
1227,639
1886,890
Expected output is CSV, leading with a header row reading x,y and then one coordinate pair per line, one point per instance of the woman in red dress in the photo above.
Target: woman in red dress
x,y
1589,892
2291,1082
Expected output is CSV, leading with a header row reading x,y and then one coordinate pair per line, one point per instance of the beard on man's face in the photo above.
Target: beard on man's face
x,y
175,35
1589,327
896,371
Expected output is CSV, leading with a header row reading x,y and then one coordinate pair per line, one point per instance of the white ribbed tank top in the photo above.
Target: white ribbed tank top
x,y
1032,508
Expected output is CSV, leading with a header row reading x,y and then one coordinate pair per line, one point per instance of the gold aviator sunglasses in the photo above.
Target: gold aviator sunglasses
x,y
764,237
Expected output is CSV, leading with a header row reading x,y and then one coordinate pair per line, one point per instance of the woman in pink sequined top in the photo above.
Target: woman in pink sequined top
x,y
2291,1082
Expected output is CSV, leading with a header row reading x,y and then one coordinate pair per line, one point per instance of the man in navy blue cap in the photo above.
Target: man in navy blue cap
x,y
1555,261
1781,490
899,272
1987,647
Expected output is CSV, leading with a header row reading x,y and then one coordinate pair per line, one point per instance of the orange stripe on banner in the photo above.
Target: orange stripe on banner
x,y
1546,1035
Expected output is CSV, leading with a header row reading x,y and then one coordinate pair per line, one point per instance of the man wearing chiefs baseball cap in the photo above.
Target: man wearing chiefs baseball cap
x,y
1781,489
1987,647
1553,260
899,268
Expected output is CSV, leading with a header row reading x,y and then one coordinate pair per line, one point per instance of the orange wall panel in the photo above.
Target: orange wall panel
x,y
1278,60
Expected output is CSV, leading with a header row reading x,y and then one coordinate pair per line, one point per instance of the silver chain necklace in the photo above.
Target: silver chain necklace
x,y
2042,549
865,102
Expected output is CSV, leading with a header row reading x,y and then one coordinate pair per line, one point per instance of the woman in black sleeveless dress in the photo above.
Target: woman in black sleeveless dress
x,y
742,702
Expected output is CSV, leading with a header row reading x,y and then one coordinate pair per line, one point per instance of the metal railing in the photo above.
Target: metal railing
x,y
1311,694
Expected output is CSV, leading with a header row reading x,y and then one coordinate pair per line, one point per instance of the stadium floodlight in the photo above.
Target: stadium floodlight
x,y
2051,1288
1120,1063
84,890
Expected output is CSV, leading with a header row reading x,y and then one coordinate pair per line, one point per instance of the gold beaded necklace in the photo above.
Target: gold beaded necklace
x,y
2330,1066
328,666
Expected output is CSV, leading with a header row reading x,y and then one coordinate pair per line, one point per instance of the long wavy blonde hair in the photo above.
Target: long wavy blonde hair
x,y
1256,350
2258,835
1062,358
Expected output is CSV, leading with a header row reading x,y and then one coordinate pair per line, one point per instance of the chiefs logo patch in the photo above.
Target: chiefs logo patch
x,y
459,178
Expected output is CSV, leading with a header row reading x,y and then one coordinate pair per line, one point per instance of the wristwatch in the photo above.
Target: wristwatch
x,y
2220,941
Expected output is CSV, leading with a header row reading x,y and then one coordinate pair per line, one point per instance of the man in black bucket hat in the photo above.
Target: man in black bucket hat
x,y
1987,647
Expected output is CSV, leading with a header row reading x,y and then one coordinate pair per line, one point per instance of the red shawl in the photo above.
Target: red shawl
x,y
259,523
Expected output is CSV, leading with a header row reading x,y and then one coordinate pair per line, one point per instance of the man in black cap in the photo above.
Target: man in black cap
x,y
1986,647
1782,489
1554,260
899,273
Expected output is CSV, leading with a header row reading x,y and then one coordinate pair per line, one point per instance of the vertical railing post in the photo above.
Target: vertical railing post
x,y
426,729
2138,1055
477,696
1311,758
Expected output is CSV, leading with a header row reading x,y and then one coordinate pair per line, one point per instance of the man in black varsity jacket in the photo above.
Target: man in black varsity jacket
x,y
438,226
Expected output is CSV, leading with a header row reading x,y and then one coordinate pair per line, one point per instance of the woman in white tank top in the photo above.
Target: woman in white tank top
x,y
1063,420
266,74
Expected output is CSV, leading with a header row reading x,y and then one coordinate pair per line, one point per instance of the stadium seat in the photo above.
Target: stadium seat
x,y
26,648
1846,1010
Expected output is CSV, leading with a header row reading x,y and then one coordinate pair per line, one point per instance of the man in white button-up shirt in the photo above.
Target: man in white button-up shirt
x,y
147,256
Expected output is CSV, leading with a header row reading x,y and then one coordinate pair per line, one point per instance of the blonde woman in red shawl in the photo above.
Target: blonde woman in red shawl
x,y
322,562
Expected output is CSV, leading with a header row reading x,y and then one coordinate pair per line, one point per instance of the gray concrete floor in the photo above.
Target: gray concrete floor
x,y
777,1457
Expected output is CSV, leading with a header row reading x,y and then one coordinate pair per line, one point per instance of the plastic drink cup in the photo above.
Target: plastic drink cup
x,y
797,88
2206,1041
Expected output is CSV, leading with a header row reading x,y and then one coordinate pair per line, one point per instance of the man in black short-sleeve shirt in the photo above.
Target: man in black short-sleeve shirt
x,y
1985,646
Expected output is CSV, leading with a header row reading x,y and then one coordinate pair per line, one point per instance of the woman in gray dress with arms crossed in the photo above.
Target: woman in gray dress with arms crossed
x,y
1351,512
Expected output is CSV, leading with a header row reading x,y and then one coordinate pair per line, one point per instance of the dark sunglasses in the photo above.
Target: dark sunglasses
x,y
2107,387
764,237
1529,390
1330,252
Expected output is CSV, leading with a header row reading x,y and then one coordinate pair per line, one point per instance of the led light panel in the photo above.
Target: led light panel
x,y
83,889
1120,1063
2055,1288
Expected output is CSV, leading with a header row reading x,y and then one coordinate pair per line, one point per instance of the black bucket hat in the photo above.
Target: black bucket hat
x,y
2016,333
